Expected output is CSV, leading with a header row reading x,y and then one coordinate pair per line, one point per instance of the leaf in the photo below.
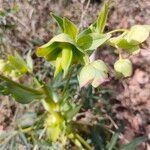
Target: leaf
x,y
133,144
29,61
137,34
20,93
85,42
59,21
98,40
18,63
66,59
84,33
70,28
102,18
113,141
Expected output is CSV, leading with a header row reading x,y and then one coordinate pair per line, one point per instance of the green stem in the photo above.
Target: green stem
x,y
86,58
117,30
86,145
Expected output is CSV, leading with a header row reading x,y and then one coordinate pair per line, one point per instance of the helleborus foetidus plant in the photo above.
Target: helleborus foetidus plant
x,y
63,51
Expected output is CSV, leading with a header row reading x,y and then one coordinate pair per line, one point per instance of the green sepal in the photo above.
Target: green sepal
x,y
94,73
66,59
60,41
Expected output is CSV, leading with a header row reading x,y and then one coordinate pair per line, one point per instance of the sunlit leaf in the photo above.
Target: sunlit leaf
x,y
102,18
98,40
133,144
85,42
70,28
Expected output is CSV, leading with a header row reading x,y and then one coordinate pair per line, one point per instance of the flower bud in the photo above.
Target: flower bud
x,y
123,67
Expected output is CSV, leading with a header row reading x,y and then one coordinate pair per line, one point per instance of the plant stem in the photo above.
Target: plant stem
x,y
86,145
117,30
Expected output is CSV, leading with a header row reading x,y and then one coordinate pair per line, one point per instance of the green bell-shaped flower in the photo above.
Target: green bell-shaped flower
x,y
94,73
63,51
123,67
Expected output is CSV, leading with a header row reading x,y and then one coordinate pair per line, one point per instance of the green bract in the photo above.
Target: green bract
x,y
123,67
94,73
63,51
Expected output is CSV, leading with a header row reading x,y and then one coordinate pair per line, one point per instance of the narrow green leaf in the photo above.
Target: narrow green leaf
x,y
21,93
102,18
113,141
133,144
70,28
59,21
